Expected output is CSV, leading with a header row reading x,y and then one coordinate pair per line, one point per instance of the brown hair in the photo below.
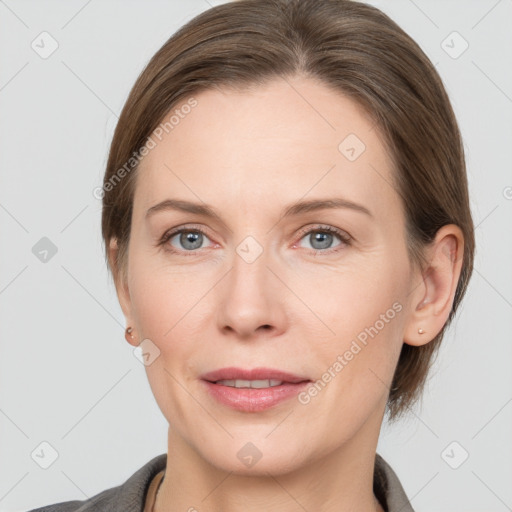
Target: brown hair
x,y
354,49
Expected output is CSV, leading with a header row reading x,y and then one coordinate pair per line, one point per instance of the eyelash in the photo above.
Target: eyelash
x,y
345,239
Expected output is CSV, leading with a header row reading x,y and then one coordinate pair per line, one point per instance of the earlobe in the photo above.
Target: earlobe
x,y
432,300
130,338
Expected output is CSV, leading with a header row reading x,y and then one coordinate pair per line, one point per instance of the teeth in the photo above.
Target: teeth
x,y
257,384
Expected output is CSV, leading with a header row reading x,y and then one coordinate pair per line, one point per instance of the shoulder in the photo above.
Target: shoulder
x,y
388,489
127,497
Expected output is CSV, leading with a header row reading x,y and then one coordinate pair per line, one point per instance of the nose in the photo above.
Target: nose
x,y
251,296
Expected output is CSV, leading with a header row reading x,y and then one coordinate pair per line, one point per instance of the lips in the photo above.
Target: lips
x,y
233,373
253,390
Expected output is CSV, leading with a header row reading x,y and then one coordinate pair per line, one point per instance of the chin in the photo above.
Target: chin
x,y
256,455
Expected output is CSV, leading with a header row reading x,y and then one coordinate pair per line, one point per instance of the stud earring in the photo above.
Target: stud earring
x,y
421,331
128,332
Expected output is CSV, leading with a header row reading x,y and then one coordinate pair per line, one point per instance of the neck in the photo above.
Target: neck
x,y
341,481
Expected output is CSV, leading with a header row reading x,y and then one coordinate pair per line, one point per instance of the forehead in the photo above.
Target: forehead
x,y
277,142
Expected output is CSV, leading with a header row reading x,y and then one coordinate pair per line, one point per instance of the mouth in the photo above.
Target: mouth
x,y
252,390
253,384
256,377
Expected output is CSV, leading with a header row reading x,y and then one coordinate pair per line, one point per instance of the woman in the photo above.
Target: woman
x,y
286,218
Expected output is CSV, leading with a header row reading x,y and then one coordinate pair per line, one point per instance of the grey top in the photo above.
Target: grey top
x,y
131,496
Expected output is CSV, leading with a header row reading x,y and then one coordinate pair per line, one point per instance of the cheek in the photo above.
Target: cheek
x,y
169,310
363,315
162,297
164,309
349,302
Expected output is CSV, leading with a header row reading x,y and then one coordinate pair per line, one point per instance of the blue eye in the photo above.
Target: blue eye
x,y
189,239
321,238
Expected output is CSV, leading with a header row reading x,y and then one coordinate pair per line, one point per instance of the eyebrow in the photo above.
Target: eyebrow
x,y
294,209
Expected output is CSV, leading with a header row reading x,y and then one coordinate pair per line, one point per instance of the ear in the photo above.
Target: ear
x,y
122,289
432,298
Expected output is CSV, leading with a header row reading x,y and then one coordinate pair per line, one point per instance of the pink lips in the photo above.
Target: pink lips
x,y
252,399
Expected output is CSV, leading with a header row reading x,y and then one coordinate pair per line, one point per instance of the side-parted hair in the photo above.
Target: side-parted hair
x,y
352,48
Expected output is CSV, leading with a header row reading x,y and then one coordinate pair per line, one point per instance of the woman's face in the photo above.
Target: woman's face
x,y
262,284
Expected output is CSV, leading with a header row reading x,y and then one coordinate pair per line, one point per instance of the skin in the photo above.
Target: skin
x,y
248,155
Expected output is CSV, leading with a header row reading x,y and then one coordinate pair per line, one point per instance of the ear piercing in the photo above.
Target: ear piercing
x,y
128,332
421,331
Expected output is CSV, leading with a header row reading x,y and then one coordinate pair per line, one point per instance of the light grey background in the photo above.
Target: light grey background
x,y
67,375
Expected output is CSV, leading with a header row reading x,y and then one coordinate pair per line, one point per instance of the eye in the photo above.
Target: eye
x,y
187,239
321,239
